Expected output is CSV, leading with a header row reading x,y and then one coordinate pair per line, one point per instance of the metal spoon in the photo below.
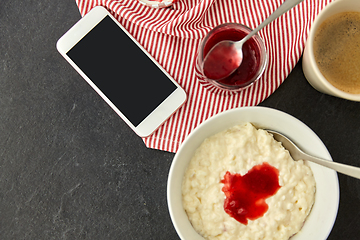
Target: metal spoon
x,y
297,154
226,56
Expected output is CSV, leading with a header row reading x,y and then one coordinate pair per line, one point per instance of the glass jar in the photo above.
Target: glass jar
x,y
253,64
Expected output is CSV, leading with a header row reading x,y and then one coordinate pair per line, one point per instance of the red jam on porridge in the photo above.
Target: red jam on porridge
x,y
245,195
242,184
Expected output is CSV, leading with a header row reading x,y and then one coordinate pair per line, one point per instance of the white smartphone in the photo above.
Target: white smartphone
x,y
121,71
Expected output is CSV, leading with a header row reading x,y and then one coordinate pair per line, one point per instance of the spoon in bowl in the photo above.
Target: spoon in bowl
x,y
226,56
298,154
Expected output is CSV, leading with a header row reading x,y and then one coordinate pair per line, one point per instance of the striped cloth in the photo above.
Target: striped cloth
x,y
172,36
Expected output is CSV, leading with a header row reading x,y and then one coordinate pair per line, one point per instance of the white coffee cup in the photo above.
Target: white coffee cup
x,y
310,68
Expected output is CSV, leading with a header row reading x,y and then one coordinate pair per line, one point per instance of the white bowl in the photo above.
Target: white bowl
x,y
323,214
157,4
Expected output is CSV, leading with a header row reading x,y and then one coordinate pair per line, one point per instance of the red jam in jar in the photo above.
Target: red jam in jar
x,y
253,61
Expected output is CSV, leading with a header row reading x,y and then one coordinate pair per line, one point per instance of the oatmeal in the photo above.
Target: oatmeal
x,y
216,170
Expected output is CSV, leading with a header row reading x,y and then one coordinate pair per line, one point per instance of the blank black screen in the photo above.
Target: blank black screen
x,y
121,70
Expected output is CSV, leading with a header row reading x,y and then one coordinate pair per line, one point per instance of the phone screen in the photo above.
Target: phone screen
x,y
121,70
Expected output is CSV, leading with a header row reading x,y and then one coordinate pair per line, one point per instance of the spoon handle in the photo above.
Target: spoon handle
x,y
284,7
339,167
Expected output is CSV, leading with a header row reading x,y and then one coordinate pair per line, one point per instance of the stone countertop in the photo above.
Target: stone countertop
x,y
69,169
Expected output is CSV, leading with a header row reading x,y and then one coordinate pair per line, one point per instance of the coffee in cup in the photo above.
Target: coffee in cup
x,y
337,51
331,60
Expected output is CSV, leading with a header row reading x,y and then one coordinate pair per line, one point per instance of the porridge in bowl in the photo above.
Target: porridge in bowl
x,y
241,183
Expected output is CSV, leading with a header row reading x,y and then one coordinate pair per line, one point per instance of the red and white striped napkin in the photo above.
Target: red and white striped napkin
x,y
172,36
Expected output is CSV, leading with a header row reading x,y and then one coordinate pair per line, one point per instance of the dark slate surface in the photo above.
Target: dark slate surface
x,y
71,169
